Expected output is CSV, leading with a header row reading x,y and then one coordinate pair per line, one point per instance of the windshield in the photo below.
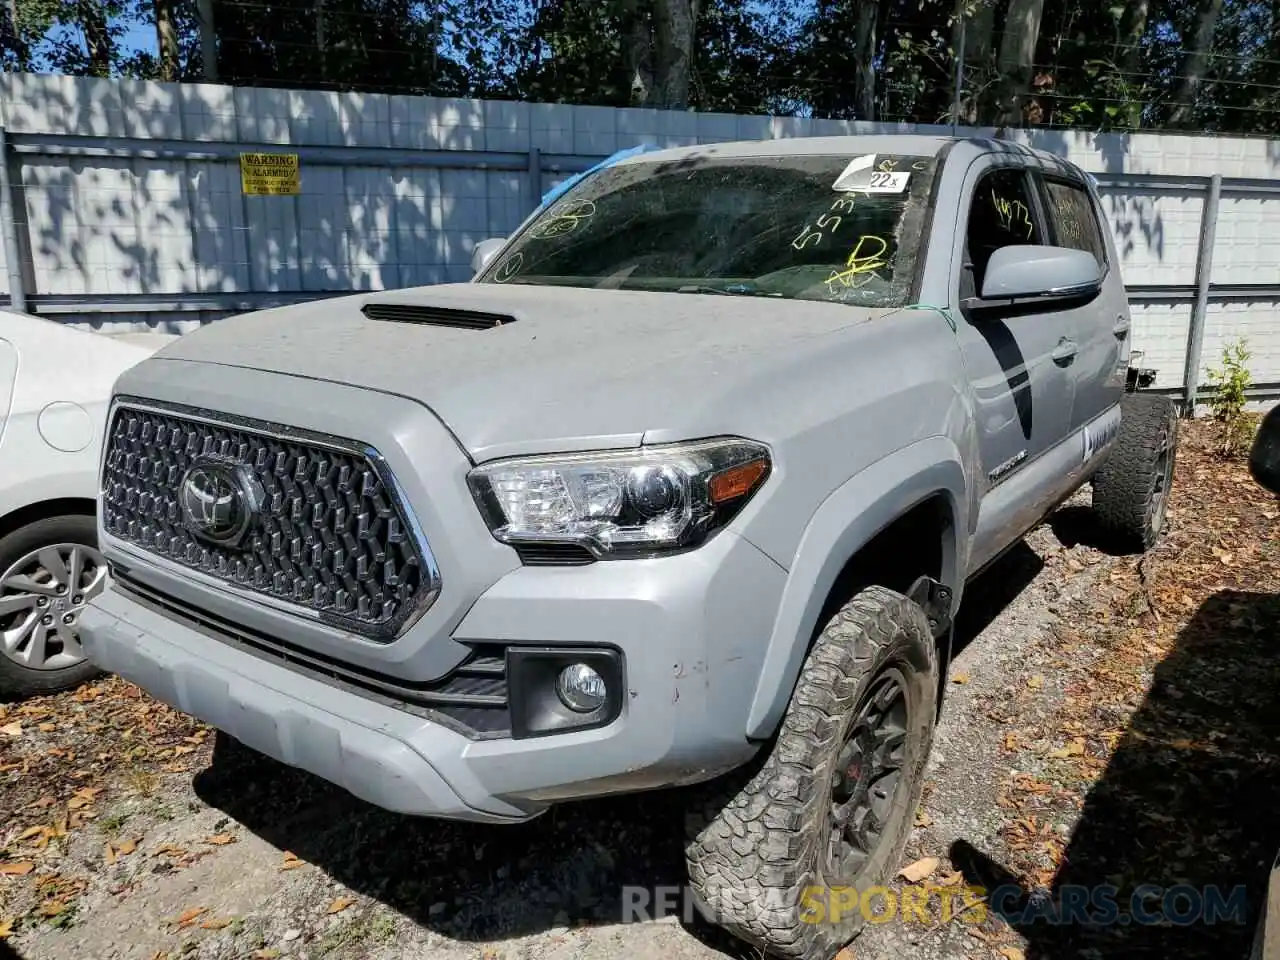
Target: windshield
x,y
839,228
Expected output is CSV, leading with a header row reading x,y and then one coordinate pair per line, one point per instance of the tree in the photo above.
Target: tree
x,y
1196,63
167,40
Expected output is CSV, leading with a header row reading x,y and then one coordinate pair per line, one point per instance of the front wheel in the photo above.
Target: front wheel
x,y
783,861
49,570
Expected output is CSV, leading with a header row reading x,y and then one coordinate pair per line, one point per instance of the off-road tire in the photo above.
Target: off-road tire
x,y
754,855
16,680
1131,490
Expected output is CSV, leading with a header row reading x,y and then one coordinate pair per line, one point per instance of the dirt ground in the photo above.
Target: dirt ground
x,y
1109,722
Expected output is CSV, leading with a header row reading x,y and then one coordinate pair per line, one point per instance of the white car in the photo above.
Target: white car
x,y
55,382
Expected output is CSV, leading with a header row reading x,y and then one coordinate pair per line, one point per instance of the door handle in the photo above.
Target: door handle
x,y
1121,329
1064,352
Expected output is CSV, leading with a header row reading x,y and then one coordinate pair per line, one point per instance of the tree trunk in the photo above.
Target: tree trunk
x,y
865,46
977,75
636,57
1196,63
167,40
10,36
1133,27
208,41
674,24
321,44
97,37
1017,58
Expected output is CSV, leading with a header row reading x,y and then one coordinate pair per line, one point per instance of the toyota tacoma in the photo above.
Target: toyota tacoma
x,y
684,486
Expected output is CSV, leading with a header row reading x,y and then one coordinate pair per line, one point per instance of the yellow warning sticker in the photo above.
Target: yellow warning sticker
x,y
270,174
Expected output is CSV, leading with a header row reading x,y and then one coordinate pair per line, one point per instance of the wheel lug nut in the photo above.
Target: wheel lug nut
x,y
42,601
69,618
77,599
60,589
46,619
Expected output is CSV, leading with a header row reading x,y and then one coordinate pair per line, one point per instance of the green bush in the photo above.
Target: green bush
x,y
1230,381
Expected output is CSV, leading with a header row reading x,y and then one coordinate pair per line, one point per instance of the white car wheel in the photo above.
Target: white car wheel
x,y
49,571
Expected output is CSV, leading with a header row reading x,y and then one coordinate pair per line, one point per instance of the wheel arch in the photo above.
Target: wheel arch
x,y
855,539
19,517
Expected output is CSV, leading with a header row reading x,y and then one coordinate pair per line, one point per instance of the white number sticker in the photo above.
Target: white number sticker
x,y
883,182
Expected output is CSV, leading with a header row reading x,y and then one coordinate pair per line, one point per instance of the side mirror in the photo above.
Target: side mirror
x,y
484,253
1032,278
1264,457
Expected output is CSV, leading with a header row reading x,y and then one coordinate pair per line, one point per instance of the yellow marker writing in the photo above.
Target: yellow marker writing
x,y
867,257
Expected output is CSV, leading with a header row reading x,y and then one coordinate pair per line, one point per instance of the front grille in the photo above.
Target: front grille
x,y
471,698
328,536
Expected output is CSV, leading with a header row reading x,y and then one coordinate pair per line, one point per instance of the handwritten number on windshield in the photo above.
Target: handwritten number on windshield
x,y
827,222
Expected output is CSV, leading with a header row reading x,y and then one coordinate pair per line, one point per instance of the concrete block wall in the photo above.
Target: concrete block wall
x,y
132,226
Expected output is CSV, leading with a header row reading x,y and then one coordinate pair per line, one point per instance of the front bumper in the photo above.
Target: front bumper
x,y
692,629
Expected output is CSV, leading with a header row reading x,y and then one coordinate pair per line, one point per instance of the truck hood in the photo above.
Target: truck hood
x,y
577,367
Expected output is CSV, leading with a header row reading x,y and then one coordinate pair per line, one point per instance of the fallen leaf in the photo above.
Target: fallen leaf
x,y
1073,749
340,904
12,729
291,862
126,847
1036,682
188,916
109,854
48,727
220,839
923,819
17,868
51,908
1011,741
83,797
168,849
845,954
215,924
270,953
31,832
1012,953
960,678
922,868
6,929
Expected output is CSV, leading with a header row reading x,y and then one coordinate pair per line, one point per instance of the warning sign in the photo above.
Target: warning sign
x,y
269,174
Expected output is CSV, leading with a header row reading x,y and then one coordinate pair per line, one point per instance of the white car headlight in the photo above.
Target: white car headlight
x,y
625,503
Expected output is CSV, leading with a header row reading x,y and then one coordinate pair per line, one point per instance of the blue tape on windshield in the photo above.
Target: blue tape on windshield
x,y
609,161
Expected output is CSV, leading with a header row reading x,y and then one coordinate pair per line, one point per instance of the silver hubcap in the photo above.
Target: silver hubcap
x,y
41,598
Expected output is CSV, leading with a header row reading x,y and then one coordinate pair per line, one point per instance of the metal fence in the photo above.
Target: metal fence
x,y
122,204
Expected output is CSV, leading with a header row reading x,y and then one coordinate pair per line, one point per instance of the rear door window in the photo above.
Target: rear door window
x,y
1072,219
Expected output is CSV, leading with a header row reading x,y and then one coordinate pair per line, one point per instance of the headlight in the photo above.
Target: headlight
x,y
621,504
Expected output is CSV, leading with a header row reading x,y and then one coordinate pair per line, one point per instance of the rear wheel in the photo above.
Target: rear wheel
x,y
1131,491
49,571
782,862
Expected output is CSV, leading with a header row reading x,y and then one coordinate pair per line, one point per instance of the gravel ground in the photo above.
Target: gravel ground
x,y
121,839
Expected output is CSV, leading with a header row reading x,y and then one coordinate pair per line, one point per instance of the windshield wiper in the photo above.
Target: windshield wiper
x,y
731,290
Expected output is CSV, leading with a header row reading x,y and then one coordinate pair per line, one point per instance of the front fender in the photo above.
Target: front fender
x,y
844,522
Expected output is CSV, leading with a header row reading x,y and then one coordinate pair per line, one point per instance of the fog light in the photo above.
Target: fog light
x,y
581,688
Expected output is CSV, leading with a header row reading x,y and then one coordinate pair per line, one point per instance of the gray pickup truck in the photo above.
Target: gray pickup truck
x,y
686,483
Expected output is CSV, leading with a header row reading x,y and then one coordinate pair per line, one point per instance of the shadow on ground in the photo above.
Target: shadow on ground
x,y
481,882
1182,823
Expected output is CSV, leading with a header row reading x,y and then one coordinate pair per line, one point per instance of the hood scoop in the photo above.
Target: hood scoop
x,y
435,316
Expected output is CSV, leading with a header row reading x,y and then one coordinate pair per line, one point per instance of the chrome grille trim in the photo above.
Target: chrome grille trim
x,y
423,566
